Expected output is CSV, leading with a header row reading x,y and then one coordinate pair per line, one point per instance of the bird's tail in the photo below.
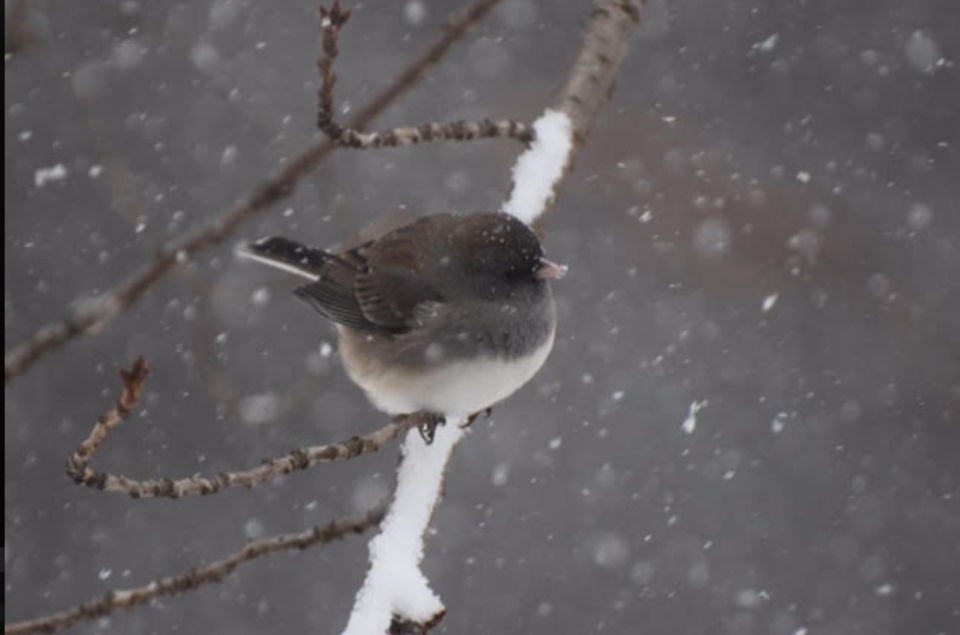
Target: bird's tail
x,y
282,253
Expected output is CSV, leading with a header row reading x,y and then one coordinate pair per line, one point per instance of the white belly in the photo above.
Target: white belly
x,y
455,388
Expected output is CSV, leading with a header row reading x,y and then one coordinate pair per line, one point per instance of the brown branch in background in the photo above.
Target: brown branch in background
x,y
78,464
91,316
126,599
605,44
332,20
18,35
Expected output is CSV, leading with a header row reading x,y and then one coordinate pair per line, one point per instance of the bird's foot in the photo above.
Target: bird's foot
x,y
428,424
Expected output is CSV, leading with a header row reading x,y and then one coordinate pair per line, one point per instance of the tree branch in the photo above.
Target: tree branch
x,y
91,316
78,464
126,599
395,596
332,20
604,46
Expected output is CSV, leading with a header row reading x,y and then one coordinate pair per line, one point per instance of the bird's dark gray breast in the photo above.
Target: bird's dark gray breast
x,y
508,329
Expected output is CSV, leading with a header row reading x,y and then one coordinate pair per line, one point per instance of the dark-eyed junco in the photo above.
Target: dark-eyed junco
x,y
446,315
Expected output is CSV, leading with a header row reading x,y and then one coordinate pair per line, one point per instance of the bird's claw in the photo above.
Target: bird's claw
x,y
429,422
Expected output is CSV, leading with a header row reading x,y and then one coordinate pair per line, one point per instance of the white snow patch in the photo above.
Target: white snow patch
x,y
52,174
712,238
501,475
260,296
923,52
394,584
920,216
768,44
260,409
803,177
415,12
770,301
690,423
779,422
540,168
885,589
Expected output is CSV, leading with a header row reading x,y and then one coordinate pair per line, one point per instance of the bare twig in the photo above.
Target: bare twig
x,y
78,464
126,599
332,20
447,131
92,316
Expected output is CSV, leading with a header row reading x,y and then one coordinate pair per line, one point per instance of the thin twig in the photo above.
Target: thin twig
x,y
332,20
92,316
195,577
78,464
447,131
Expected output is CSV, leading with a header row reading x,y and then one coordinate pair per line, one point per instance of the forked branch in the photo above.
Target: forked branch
x,y
78,464
332,20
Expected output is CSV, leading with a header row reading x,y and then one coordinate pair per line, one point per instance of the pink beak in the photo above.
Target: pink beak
x,y
549,270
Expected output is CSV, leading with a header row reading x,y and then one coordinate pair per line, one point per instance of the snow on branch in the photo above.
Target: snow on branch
x,y
395,590
395,594
604,46
538,171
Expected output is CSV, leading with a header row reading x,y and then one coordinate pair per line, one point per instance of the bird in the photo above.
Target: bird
x,y
445,316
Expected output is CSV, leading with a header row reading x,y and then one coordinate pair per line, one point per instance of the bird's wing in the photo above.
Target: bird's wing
x,y
379,285
333,297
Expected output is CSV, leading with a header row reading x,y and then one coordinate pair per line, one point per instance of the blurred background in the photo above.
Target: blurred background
x,y
763,226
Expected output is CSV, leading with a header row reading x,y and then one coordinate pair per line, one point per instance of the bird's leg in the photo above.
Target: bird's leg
x,y
427,426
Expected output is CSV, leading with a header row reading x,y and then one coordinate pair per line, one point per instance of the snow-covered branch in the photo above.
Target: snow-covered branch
x,y
604,46
396,591
538,171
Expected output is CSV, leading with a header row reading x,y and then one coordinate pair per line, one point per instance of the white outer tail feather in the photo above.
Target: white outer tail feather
x,y
244,251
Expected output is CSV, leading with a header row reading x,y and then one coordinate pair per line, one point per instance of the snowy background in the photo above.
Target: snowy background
x,y
765,219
